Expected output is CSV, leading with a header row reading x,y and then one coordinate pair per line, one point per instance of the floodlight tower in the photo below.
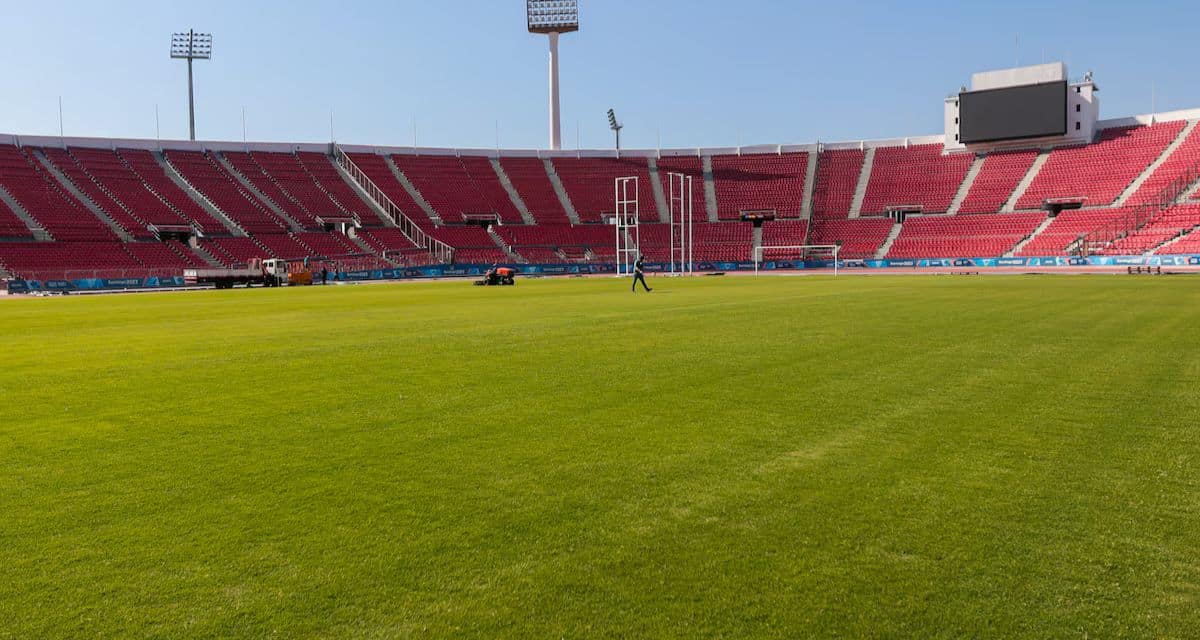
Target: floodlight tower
x,y
191,46
553,17
616,127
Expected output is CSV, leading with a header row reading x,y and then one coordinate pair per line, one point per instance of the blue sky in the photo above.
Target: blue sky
x,y
693,73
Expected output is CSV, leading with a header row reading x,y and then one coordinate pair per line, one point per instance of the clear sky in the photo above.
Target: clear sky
x,y
695,72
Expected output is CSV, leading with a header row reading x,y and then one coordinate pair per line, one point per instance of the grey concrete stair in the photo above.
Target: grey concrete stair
x,y
511,189
756,241
1011,204
710,189
1027,239
965,187
1153,166
504,246
413,192
1163,245
660,197
810,185
561,191
864,178
74,190
891,239
205,256
196,196
33,225
262,197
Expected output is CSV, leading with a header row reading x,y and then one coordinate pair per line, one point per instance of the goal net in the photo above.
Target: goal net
x,y
797,253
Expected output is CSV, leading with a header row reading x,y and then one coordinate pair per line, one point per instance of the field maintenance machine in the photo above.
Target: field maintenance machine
x,y
272,272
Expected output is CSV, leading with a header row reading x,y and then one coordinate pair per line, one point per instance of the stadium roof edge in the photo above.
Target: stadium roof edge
x,y
288,147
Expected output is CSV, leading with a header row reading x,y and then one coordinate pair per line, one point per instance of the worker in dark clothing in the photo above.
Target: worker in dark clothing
x,y
639,276
324,275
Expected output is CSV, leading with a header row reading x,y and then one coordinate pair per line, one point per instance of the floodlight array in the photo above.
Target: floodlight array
x,y
553,16
196,46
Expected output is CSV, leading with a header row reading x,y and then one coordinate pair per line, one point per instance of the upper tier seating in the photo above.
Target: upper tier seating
x,y
327,177
143,165
129,190
11,225
88,185
279,177
860,237
529,177
1185,158
759,182
376,168
689,166
1099,172
589,183
996,181
456,187
919,175
963,236
224,191
39,193
837,176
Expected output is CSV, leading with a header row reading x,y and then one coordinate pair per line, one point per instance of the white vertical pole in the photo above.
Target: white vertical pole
x,y
243,125
691,261
60,119
555,123
157,132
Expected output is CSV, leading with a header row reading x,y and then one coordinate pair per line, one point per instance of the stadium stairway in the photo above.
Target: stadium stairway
x,y
511,190
1192,194
887,243
198,197
810,184
65,183
1159,248
756,240
1162,158
504,246
293,224
358,189
864,178
1011,204
199,252
35,227
559,189
1029,238
413,192
660,196
710,189
965,187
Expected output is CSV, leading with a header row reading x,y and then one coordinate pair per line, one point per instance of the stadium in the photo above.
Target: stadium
x,y
991,436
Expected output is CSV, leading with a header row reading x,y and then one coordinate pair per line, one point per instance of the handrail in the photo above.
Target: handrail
x,y
1139,217
441,251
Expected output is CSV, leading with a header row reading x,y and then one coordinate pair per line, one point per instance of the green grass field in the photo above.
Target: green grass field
x,y
782,457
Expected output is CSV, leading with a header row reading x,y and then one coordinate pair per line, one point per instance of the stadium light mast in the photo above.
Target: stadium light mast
x,y
553,18
191,46
616,127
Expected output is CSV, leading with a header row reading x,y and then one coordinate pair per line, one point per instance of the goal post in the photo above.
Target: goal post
x,y
801,251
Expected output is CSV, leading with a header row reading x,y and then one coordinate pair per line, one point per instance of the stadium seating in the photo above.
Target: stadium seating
x,y
1099,172
759,182
277,178
320,166
376,168
207,176
529,177
1066,228
1167,225
11,225
837,176
920,175
963,236
1185,157
860,237
785,233
59,213
142,165
61,260
91,188
689,166
589,184
457,187
996,181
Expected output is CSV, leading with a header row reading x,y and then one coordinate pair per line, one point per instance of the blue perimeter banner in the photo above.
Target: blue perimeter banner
x,y
477,270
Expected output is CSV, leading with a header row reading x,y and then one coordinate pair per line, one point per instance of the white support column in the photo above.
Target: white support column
x,y
555,116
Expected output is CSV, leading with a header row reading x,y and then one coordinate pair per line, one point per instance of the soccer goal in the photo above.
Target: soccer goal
x,y
797,252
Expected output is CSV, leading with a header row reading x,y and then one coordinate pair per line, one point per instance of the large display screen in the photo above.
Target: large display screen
x,y
1030,111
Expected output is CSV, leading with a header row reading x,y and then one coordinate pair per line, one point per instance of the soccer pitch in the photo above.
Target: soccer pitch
x,y
725,457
